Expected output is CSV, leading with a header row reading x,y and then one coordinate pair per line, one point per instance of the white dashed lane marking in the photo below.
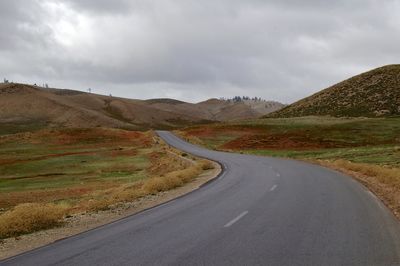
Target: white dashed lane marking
x,y
240,216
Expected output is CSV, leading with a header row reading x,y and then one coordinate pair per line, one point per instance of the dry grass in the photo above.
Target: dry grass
x,y
384,175
370,94
189,138
176,178
103,200
171,180
30,217
168,170
207,165
128,192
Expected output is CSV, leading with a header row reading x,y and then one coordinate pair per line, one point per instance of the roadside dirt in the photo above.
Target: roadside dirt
x,y
85,221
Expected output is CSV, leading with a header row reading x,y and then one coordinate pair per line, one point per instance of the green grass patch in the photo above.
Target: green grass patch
x,y
381,155
26,126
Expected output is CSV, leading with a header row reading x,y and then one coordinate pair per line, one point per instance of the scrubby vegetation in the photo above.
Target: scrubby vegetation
x,y
49,174
176,178
373,94
51,165
29,217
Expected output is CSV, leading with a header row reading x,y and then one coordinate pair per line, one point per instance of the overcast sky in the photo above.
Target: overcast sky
x,y
193,50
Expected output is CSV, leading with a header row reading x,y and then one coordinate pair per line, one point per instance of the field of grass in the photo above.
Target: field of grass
x,y
366,148
362,140
50,165
380,155
17,127
48,174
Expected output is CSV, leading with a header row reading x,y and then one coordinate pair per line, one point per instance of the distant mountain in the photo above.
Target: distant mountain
x,y
371,94
35,107
264,107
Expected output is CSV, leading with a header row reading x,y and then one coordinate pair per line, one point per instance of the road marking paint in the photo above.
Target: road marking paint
x,y
278,174
273,187
377,200
236,219
372,194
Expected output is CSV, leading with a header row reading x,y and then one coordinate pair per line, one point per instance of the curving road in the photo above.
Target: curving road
x,y
260,211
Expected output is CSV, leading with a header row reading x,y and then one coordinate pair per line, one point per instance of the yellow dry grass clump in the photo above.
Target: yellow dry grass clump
x,y
189,138
30,217
171,180
128,192
389,176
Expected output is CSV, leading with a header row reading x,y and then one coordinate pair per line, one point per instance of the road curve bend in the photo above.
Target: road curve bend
x,y
260,211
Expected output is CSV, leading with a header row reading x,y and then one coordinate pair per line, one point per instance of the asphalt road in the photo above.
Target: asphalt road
x,y
260,211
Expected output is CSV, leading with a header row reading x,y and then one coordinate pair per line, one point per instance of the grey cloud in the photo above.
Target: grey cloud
x,y
101,6
282,50
20,25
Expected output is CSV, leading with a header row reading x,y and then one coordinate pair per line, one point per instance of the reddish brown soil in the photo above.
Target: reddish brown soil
x,y
205,132
201,132
279,142
89,136
94,135
121,152
209,132
113,153
245,138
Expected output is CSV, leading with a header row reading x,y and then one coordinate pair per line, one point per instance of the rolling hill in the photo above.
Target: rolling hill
x,y
25,107
375,93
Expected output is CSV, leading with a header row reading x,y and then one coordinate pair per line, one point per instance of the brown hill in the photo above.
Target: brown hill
x,y
371,94
26,104
35,107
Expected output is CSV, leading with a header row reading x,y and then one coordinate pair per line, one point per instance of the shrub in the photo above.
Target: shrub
x,y
98,204
206,165
30,217
154,185
175,178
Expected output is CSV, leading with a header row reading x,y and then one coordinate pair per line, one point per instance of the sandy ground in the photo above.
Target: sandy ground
x,y
86,221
